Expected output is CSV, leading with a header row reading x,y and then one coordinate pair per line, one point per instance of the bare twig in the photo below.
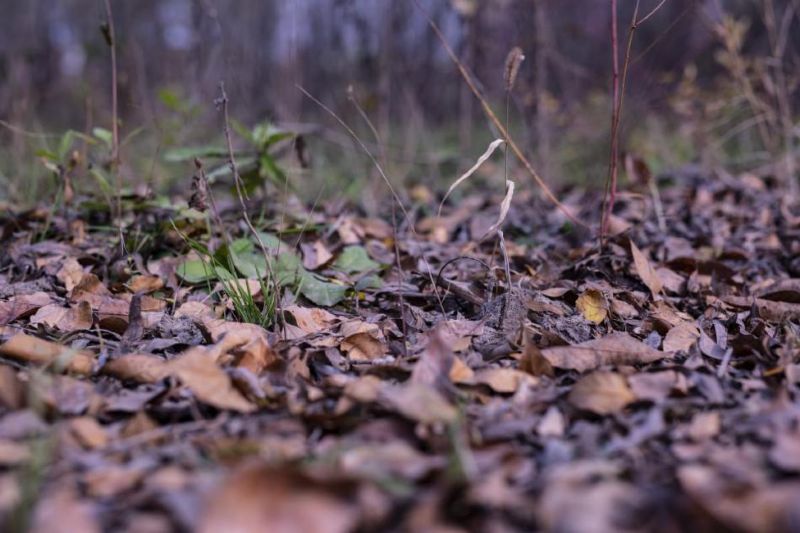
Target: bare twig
x,y
618,94
222,101
110,36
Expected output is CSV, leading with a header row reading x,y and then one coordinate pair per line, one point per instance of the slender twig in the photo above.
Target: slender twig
x,y
382,155
495,120
110,35
240,193
618,95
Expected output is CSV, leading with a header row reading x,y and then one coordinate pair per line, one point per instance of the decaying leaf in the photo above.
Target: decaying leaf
x,y
257,497
645,271
614,349
37,351
681,337
362,341
66,319
601,392
209,383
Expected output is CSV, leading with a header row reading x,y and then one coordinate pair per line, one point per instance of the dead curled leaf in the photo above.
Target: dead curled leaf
x,y
362,341
249,343
681,337
22,305
209,383
504,380
614,349
66,319
37,351
601,392
645,271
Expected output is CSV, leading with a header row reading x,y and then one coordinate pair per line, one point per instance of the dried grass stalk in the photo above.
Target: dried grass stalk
x,y
513,61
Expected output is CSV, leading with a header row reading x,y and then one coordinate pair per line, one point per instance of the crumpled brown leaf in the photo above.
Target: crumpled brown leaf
x,y
614,349
67,319
601,392
22,305
646,272
30,349
210,384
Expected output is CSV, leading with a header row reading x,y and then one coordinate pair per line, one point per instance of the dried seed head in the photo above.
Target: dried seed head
x,y
513,61
199,199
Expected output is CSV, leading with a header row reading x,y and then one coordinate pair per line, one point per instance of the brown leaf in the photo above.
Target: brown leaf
x,y
768,309
209,383
145,284
614,349
434,363
362,341
141,368
504,380
418,402
259,498
315,255
23,347
601,392
645,271
21,306
66,319
311,319
70,274
248,342
681,337
88,432
533,361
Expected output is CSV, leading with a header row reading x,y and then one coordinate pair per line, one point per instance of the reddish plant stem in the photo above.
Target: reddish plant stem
x,y
611,179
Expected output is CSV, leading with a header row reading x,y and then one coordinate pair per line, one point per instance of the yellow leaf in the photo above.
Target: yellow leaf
x,y
592,306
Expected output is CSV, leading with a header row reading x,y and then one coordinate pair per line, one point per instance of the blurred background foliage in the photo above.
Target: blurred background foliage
x,y
712,82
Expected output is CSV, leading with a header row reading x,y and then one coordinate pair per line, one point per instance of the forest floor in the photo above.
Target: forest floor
x,y
649,384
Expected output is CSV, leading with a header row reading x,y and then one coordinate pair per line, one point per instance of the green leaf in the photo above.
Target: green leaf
x,y
65,144
187,153
289,269
370,281
104,135
321,292
354,260
199,271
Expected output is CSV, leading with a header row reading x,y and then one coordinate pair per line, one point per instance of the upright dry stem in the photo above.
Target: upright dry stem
x,y
110,36
240,194
494,120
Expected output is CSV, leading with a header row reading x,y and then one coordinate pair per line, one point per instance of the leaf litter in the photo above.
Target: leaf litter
x,y
652,383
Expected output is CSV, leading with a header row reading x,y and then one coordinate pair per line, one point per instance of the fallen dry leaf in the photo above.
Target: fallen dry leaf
x,y
601,392
66,319
259,498
504,380
30,349
209,383
21,306
645,271
614,349
592,306
681,337
362,341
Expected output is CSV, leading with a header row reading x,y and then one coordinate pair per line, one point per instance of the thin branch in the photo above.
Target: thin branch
x,y
222,101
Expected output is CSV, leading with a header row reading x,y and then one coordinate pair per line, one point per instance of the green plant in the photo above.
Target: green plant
x,y
258,162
